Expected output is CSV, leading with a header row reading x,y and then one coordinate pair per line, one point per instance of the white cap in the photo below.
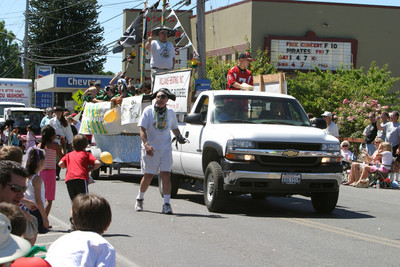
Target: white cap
x,y
11,246
327,114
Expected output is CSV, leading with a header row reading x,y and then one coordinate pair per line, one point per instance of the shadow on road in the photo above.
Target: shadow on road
x,y
245,205
116,235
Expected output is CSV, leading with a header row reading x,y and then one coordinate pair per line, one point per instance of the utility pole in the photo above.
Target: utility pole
x,y
201,38
26,41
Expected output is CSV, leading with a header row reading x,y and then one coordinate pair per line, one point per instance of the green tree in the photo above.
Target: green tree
x,y
318,90
66,35
10,62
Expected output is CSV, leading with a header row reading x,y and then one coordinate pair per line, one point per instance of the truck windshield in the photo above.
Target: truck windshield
x,y
2,107
258,109
24,118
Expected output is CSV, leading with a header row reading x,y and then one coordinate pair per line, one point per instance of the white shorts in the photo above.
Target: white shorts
x,y
160,161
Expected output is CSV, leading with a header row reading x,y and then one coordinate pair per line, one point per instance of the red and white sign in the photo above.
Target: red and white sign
x,y
178,83
303,53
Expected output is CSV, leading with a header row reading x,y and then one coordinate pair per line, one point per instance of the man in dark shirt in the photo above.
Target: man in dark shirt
x,y
370,134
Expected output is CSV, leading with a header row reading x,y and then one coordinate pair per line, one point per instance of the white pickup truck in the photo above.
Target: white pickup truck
x,y
256,143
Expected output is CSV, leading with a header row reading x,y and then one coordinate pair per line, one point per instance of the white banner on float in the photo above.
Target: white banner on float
x,y
131,109
178,83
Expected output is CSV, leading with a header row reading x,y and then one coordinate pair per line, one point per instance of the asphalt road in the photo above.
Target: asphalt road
x,y
362,231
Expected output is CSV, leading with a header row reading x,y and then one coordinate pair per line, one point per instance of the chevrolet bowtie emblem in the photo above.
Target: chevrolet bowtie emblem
x,y
290,153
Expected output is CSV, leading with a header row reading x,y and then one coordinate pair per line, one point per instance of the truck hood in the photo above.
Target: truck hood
x,y
275,133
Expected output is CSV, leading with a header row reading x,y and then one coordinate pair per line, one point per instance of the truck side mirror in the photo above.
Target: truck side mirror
x,y
195,118
319,123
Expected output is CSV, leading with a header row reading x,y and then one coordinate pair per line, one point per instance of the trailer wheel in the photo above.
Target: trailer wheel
x,y
175,180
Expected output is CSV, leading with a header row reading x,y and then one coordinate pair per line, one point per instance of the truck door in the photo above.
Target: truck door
x,y
191,156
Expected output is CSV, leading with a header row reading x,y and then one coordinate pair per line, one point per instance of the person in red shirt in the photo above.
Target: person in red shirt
x,y
78,163
239,77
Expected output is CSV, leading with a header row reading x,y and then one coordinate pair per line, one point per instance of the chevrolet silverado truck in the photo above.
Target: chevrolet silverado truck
x,y
263,144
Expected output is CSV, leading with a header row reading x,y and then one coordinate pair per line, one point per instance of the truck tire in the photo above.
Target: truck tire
x,y
324,202
95,174
215,196
175,180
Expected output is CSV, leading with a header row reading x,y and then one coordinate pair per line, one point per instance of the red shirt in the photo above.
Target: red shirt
x,y
77,165
235,74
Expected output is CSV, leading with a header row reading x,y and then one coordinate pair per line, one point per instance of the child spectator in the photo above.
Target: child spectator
x,y
11,153
91,216
35,191
78,163
345,152
11,246
30,137
48,174
16,216
15,137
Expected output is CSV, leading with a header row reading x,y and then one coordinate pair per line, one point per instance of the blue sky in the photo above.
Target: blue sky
x,y
111,18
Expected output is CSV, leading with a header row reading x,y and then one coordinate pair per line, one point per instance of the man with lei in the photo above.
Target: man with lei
x,y
156,124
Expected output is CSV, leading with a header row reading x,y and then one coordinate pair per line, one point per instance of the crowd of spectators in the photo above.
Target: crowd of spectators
x,y
119,87
380,152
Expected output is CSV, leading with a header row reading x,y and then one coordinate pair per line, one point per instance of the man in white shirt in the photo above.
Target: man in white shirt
x,y
331,128
162,52
156,123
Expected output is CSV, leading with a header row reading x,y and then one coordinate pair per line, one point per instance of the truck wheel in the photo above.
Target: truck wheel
x,y
259,196
175,179
324,202
215,196
95,174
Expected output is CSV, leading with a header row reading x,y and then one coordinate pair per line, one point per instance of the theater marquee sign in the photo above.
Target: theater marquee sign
x,y
303,53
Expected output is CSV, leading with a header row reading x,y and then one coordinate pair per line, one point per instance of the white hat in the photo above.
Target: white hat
x,y
327,114
11,246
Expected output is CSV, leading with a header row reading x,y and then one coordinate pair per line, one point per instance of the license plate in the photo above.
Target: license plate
x,y
291,178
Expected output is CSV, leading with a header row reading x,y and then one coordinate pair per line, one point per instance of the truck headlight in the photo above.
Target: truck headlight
x,y
330,147
232,145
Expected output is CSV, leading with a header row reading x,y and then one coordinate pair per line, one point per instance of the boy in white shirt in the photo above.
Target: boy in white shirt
x,y
91,215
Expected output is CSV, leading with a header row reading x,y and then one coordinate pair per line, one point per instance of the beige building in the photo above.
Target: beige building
x,y
300,34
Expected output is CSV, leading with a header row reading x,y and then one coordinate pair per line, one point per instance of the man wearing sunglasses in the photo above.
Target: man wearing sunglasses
x,y
12,182
156,124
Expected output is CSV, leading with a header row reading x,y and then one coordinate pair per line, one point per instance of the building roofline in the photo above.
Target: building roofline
x,y
299,2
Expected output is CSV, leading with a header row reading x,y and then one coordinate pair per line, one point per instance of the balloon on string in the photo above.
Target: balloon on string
x,y
106,157
110,116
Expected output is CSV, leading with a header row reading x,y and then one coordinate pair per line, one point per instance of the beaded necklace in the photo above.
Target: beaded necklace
x,y
161,119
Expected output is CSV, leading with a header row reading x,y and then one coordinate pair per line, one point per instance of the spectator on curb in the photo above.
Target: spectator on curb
x,y
91,215
331,128
370,134
384,119
47,117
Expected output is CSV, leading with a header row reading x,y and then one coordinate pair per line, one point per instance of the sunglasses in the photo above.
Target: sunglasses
x,y
345,146
17,188
162,96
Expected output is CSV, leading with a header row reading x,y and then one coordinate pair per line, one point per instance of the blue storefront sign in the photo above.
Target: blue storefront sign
x,y
202,84
44,99
80,82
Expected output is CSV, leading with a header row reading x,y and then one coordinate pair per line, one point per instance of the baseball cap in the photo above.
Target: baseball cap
x,y
246,55
97,83
11,246
327,114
